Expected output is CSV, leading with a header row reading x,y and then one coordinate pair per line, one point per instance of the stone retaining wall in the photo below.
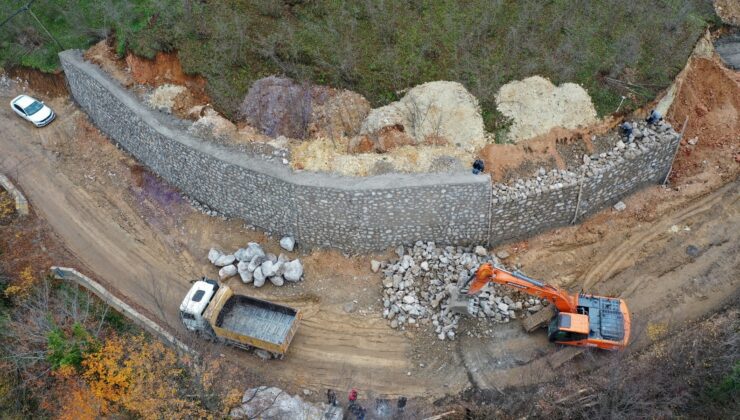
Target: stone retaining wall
x,y
350,213
21,204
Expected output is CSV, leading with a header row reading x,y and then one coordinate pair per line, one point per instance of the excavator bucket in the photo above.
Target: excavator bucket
x,y
482,277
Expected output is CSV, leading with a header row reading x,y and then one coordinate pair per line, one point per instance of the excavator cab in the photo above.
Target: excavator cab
x,y
568,327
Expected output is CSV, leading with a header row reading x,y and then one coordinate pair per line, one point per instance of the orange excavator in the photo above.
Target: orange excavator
x,y
580,320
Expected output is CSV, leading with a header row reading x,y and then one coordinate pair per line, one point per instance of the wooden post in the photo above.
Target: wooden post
x,y
675,153
578,203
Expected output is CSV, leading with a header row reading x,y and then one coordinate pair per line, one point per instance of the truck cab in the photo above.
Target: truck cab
x,y
195,303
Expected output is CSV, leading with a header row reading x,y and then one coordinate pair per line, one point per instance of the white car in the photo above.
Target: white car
x,y
32,110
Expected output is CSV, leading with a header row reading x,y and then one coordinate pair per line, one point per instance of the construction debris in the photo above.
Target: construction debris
x,y
422,286
256,267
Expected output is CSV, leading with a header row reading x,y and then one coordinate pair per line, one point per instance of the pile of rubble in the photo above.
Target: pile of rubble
x,y
418,287
256,267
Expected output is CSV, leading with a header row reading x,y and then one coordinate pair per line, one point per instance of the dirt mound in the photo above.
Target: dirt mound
x,y
165,68
709,95
438,109
728,11
278,106
50,84
339,116
535,105
559,148
103,55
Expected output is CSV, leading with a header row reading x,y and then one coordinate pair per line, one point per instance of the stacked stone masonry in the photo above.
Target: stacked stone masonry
x,y
350,213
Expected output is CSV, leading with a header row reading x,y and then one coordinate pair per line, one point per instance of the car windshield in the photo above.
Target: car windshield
x,y
33,108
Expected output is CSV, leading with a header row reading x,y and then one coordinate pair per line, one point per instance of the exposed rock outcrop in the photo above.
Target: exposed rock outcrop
x,y
429,112
279,106
535,106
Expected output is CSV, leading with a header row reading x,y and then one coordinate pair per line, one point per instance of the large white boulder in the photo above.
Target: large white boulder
x,y
535,106
244,273
435,109
225,260
270,268
214,254
253,249
227,271
259,278
287,243
293,270
277,280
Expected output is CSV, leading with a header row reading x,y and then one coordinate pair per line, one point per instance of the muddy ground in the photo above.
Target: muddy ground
x,y
125,227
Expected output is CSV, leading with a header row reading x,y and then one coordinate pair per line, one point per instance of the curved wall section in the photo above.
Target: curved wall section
x,y
352,214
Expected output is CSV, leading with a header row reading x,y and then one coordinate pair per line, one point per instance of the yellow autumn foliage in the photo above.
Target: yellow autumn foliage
x,y
140,376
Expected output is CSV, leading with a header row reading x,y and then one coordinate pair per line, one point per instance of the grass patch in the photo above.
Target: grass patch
x,y
612,48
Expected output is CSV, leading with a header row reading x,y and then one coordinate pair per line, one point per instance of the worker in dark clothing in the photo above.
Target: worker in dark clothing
x,y
626,129
478,166
654,117
401,404
331,396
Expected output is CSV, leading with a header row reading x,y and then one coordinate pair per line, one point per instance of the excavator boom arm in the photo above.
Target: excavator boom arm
x,y
486,273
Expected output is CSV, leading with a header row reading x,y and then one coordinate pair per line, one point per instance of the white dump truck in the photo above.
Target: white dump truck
x,y
242,321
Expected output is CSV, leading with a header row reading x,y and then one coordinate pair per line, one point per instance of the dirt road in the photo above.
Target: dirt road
x,y
146,244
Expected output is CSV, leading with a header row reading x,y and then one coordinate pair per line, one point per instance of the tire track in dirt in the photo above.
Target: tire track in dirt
x,y
625,254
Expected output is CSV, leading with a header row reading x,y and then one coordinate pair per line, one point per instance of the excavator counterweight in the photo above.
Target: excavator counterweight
x,y
579,320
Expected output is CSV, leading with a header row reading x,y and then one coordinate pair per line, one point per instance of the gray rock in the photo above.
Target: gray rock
x,y
293,270
349,307
270,268
241,254
374,265
620,206
692,251
256,261
214,254
277,280
502,254
287,243
481,251
253,249
259,278
227,271
246,276
224,260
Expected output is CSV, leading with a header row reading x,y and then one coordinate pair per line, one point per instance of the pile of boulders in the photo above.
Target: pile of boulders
x,y
419,284
255,266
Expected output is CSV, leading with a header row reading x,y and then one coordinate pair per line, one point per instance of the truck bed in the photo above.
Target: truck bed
x,y
257,319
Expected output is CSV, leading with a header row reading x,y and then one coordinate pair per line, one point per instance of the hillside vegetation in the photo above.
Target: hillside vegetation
x,y
379,48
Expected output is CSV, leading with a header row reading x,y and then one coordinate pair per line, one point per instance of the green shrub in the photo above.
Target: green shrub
x,y
68,348
611,47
